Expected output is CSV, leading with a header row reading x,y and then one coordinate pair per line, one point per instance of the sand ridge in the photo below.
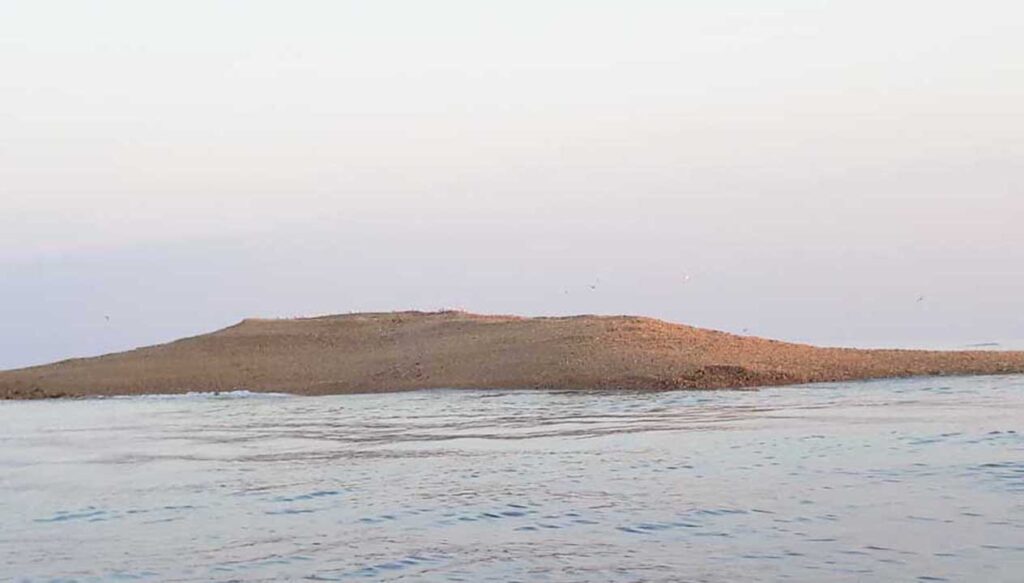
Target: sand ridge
x,y
393,351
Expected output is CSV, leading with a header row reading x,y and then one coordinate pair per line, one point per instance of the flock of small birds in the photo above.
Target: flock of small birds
x,y
597,282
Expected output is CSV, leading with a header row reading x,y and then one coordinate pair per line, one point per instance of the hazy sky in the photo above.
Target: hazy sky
x,y
800,169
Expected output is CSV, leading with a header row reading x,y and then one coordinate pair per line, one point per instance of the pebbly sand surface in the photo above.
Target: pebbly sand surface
x,y
379,352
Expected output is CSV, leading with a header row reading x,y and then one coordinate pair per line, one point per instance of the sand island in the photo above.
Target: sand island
x,y
378,352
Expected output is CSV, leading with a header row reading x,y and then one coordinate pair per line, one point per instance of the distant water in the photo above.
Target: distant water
x,y
911,480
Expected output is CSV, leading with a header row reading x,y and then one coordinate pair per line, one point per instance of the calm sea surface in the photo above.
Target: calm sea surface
x,y
905,480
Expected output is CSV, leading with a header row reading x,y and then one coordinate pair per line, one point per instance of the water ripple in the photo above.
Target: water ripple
x,y
889,480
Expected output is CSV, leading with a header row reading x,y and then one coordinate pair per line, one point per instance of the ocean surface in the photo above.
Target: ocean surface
x,y
908,480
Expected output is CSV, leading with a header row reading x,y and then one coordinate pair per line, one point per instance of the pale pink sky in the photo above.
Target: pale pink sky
x,y
806,170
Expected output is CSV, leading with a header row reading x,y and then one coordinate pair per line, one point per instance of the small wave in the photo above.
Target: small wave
x,y
192,395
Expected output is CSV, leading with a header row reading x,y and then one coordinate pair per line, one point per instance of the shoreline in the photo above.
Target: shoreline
x,y
242,393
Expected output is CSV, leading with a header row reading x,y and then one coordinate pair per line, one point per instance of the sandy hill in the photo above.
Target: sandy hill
x,y
410,350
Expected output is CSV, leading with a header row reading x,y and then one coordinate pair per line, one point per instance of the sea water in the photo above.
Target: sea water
x,y
919,479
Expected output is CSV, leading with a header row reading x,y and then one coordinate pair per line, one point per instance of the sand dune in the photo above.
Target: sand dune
x,y
413,350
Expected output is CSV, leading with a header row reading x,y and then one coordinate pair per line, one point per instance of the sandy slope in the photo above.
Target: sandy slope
x,y
409,350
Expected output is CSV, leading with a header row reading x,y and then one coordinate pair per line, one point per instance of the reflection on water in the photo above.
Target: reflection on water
x,y
897,480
